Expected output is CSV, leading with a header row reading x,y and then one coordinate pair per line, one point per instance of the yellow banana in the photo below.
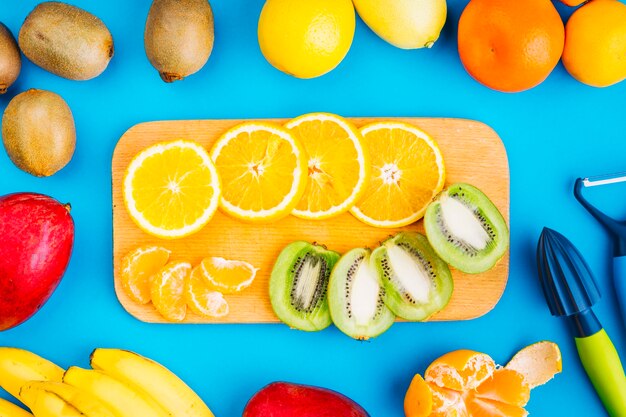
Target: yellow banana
x,y
120,398
82,402
8,409
18,366
160,383
47,404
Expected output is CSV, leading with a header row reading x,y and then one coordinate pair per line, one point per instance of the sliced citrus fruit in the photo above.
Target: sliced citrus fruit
x,y
338,164
539,362
138,267
171,189
227,276
263,171
407,172
201,298
167,290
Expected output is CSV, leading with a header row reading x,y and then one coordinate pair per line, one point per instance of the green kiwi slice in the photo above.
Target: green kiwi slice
x,y
417,282
466,229
299,285
356,297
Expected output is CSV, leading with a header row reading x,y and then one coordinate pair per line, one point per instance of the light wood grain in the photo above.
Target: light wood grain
x,y
472,151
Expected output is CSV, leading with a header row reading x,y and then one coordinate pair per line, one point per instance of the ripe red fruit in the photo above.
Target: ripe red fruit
x,y
282,399
36,238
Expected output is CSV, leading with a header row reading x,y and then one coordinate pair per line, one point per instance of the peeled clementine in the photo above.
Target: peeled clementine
x,y
509,45
595,43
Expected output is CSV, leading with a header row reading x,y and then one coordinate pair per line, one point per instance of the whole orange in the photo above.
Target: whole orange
x,y
510,45
595,43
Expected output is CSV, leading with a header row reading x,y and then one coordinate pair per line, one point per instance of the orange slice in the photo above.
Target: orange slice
x,y
227,276
201,298
263,171
407,172
138,267
171,189
338,164
167,290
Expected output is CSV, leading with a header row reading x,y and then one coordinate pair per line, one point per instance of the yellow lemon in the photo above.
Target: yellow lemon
x,y
306,38
407,24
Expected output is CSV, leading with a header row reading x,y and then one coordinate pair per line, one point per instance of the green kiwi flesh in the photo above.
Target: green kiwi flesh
x,y
417,282
179,37
66,40
356,297
466,229
38,132
10,60
299,285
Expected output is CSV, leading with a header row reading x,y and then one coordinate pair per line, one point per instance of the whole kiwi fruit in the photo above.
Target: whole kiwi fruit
x,y
10,60
179,37
66,40
38,132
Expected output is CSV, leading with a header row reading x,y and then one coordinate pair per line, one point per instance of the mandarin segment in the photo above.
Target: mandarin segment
x,y
507,386
227,276
407,172
138,267
479,407
263,171
418,401
338,164
167,290
460,370
201,298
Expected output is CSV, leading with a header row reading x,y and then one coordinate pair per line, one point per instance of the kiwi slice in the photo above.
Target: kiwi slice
x,y
466,229
417,282
356,297
299,285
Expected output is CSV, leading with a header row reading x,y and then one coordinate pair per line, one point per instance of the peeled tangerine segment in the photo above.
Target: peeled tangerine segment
x,y
417,282
356,297
201,298
228,276
299,285
167,290
466,229
138,267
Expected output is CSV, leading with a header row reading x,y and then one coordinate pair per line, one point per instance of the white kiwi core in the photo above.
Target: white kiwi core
x,y
307,283
462,223
364,294
412,276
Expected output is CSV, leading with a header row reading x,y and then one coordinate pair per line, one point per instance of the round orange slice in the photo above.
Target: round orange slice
x,y
167,290
338,164
407,172
201,298
263,171
138,267
171,189
227,276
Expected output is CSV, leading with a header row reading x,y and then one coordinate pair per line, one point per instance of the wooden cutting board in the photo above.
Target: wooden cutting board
x,y
472,152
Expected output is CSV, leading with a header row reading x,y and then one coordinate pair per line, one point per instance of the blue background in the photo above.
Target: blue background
x,y
553,133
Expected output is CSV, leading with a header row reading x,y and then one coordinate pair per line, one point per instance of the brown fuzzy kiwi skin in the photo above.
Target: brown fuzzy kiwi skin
x,y
179,36
10,59
66,40
38,132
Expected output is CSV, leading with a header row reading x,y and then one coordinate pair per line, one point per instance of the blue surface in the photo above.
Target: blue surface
x,y
553,133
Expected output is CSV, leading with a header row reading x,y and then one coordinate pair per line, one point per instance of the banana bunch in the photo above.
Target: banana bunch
x,y
121,384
